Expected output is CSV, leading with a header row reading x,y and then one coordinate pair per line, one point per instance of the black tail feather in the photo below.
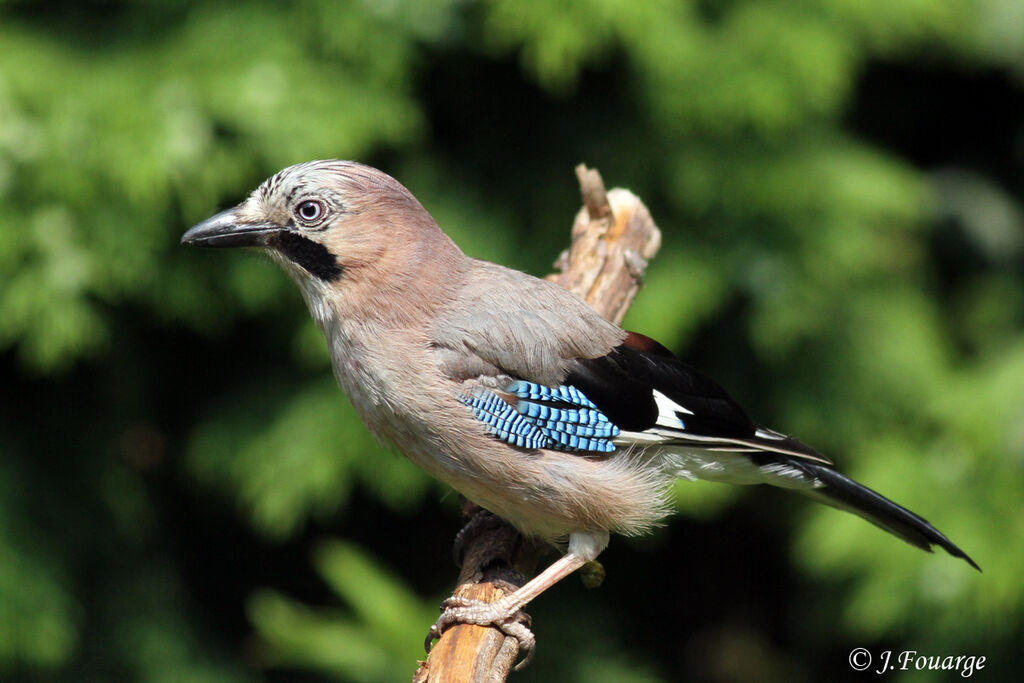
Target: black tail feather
x,y
844,493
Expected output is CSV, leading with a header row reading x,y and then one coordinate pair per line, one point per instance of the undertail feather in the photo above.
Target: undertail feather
x,y
844,493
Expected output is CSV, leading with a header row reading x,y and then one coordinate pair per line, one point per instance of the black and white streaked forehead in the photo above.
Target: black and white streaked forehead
x,y
314,177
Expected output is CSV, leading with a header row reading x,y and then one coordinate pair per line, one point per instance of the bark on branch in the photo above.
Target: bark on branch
x,y
613,238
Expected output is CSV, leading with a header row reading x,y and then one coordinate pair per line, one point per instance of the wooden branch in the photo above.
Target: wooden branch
x,y
495,561
613,237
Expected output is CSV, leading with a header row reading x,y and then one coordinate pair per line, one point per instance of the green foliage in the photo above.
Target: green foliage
x,y
380,641
848,265
277,452
36,614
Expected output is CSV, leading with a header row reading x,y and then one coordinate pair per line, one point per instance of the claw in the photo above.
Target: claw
x,y
524,636
432,635
459,610
471,528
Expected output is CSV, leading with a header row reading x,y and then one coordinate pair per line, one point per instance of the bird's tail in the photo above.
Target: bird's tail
x,y
844,493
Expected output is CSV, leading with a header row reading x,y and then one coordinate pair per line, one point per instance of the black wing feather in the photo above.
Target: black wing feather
x,y
844,493
622,383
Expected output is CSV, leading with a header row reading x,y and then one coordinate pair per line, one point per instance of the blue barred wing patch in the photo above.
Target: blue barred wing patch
x,y
503,420
559,418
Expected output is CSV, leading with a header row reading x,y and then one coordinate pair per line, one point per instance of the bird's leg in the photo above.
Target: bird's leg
x,y
505,613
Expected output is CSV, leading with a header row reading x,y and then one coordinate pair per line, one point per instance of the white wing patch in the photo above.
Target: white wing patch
x,y
667,409
670,431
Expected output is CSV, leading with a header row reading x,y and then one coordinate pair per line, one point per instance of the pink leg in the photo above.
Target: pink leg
x,y
505,613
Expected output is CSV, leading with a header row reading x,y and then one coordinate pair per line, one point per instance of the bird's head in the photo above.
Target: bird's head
x,y
338,227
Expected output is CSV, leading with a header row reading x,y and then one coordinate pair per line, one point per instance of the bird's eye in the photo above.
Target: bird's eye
x,y
311,211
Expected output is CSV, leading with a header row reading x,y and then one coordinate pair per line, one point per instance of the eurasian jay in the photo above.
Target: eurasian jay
x,y
509,388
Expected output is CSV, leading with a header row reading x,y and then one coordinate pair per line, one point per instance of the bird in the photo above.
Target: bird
x,y
510,388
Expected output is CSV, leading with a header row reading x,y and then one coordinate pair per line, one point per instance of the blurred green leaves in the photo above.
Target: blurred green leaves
x,y
277,452
858,290
101,146
381,639
37,624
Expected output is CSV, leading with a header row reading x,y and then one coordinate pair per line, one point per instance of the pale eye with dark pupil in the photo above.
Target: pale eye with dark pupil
x,y
310,211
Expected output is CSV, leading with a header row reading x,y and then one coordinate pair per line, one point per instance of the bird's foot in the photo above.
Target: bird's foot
x,y
513,623
478,520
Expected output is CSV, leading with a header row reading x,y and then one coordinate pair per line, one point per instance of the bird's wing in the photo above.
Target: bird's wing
x,y
654,398
639,394
506,322
508,341
526,336
551,364
531,415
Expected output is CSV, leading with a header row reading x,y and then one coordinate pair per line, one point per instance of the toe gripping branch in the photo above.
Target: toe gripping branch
x,y
476,640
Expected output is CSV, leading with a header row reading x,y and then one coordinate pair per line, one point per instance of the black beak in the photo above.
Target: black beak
x,y
224,230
